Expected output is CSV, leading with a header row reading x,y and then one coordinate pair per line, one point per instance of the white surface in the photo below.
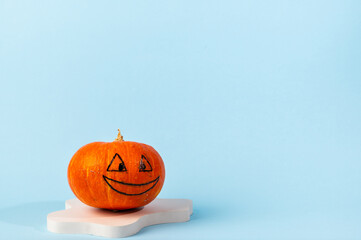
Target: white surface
x,y
79,218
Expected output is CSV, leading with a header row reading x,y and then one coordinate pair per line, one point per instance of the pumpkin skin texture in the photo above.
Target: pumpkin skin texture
x,y
116,175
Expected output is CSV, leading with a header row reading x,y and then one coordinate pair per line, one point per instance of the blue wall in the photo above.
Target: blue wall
x,y
255,107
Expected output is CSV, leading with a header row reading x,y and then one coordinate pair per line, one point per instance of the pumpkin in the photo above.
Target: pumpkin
x,y
116,175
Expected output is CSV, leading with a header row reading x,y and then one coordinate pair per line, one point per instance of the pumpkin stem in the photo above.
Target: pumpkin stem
x,y
119,137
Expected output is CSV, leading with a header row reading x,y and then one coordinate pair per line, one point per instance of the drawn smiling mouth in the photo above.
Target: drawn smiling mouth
x,y
137,189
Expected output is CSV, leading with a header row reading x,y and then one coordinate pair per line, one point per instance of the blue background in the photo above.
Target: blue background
x,y
255,107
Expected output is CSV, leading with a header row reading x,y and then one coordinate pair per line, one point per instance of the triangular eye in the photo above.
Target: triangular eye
x,y
117,164
144,165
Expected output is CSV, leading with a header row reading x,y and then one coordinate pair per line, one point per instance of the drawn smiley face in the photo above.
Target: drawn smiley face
x,y
117,165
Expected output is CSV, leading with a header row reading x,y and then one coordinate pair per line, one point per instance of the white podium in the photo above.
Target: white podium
x,y
78,218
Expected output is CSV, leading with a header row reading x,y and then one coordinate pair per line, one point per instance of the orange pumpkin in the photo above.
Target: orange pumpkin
x,y
116,175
